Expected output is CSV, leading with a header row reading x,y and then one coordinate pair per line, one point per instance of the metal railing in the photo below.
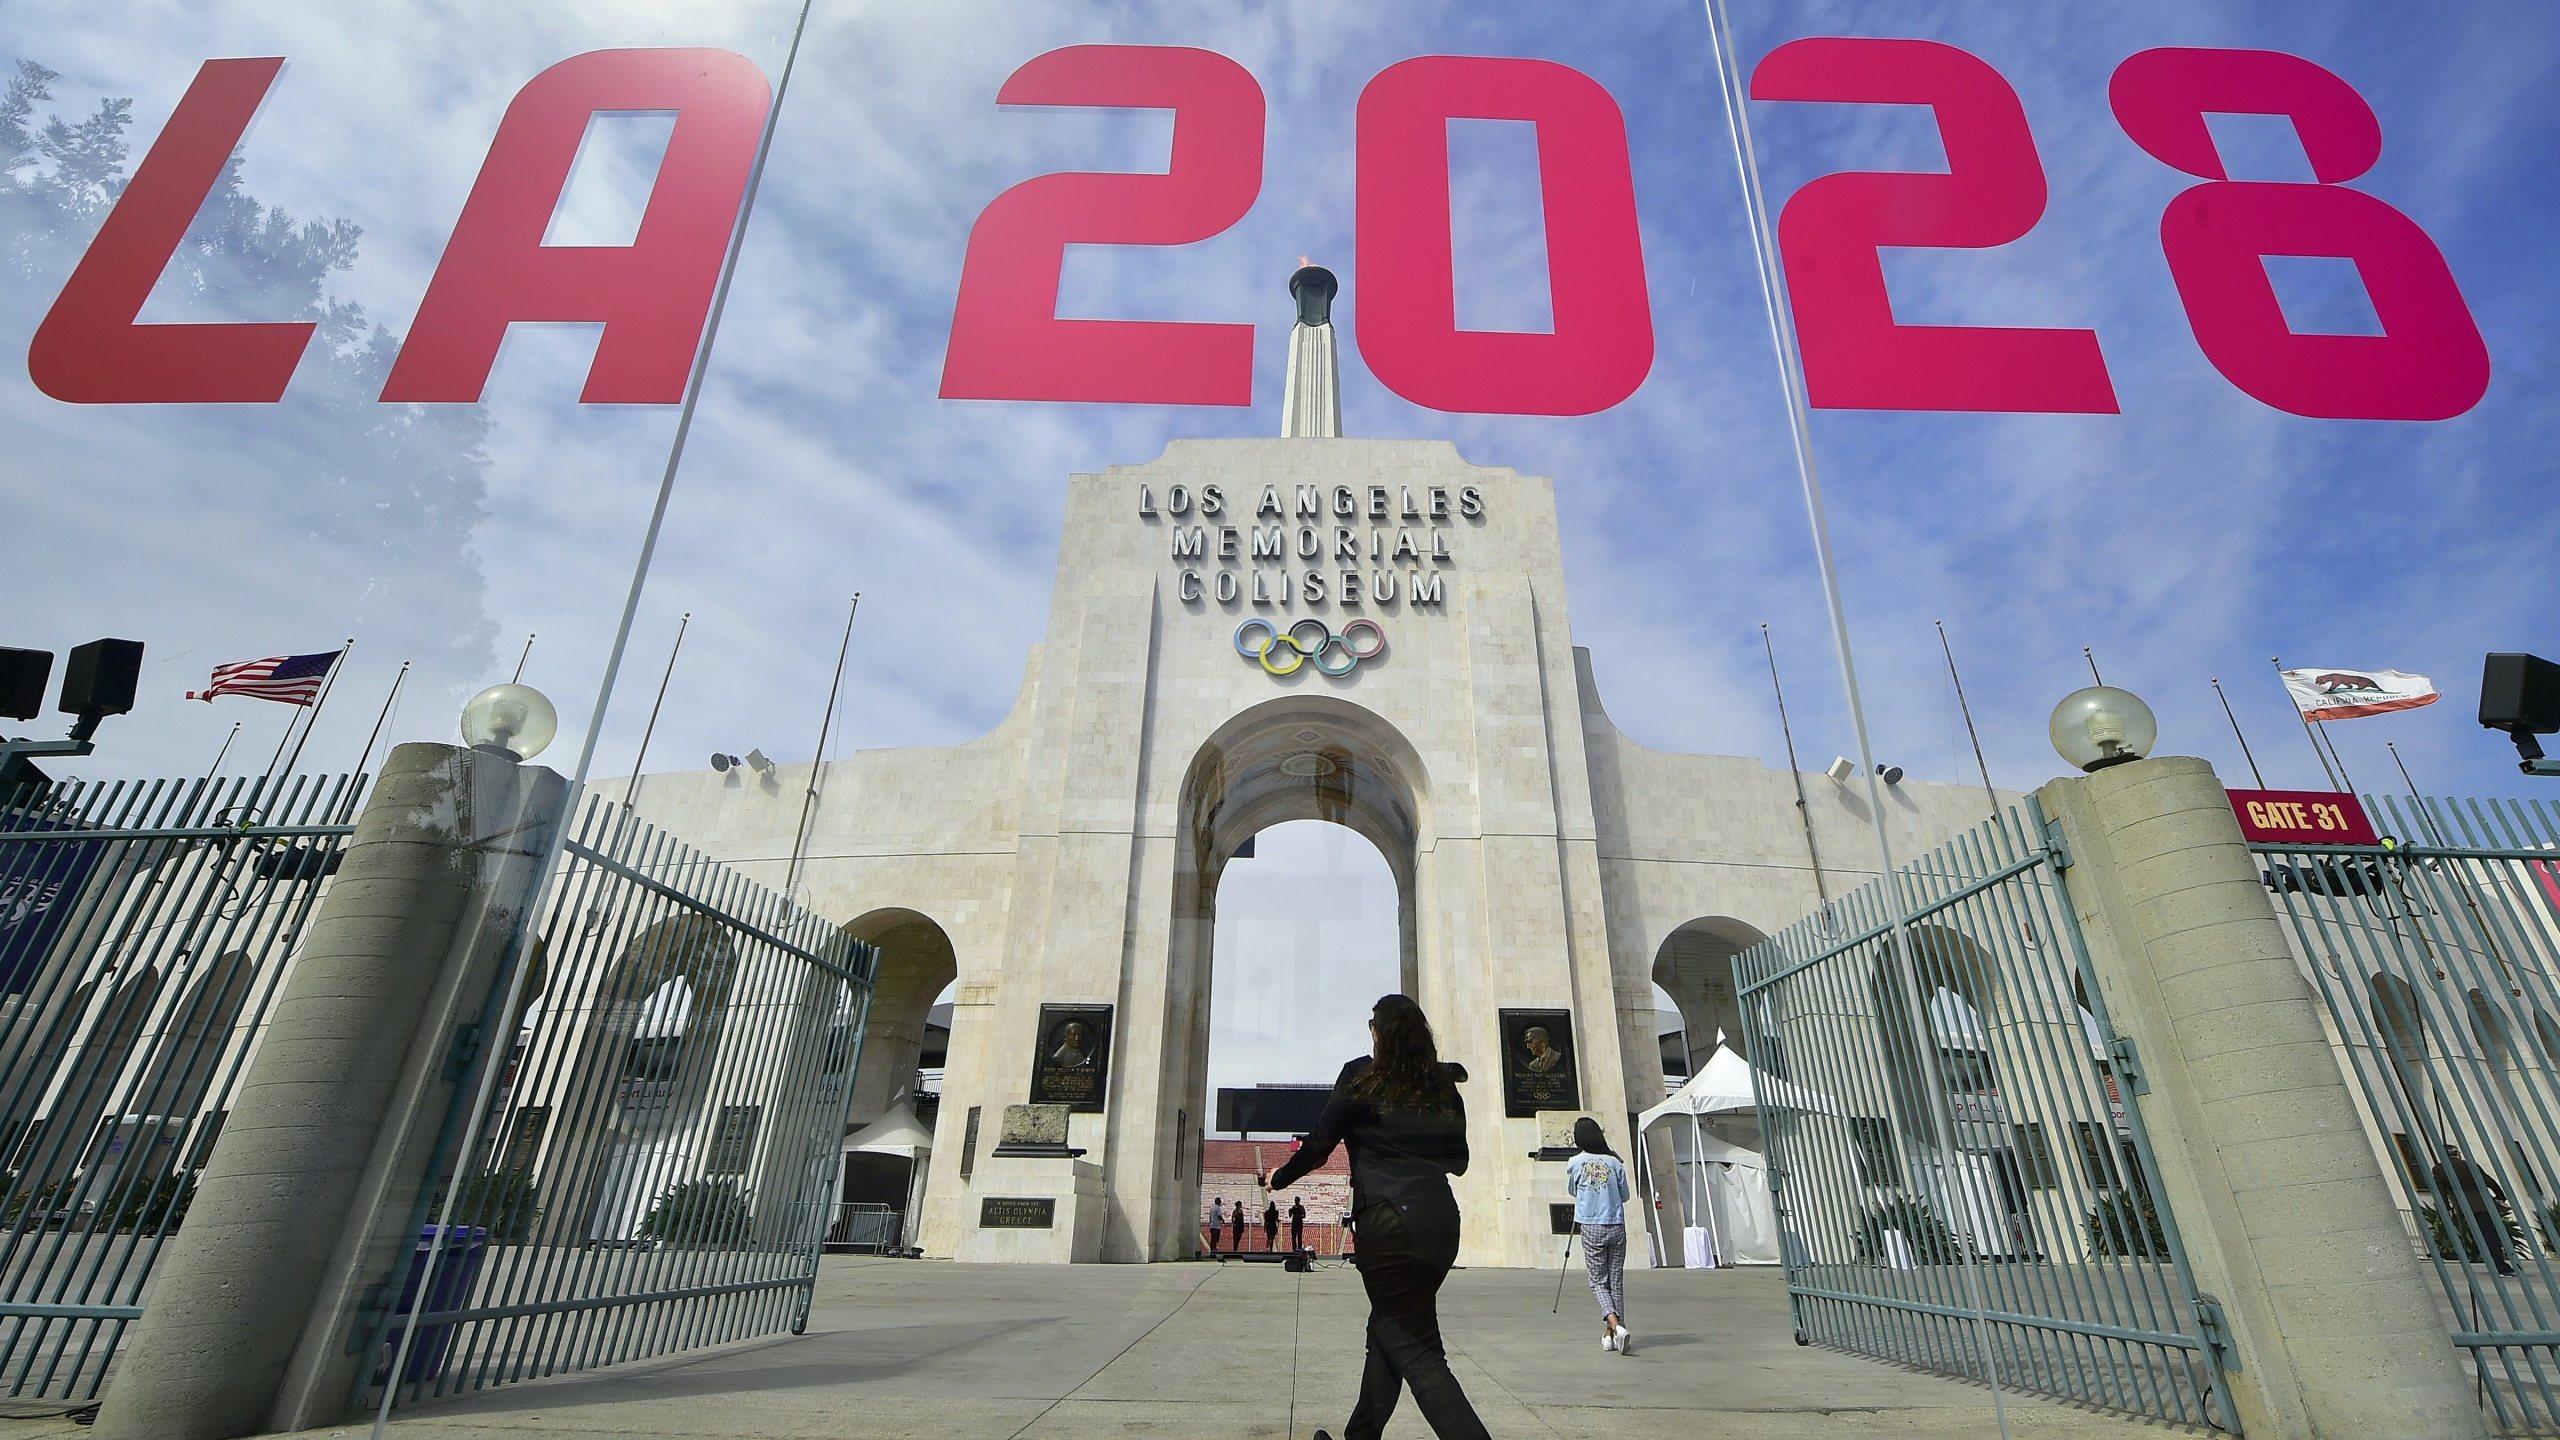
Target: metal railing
x,y
145,928
862,1226
660,1162
2437,955
1960,1185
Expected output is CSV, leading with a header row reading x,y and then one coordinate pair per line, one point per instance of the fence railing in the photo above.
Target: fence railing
x,y
145,928
2437,955
1960,1183
659,1166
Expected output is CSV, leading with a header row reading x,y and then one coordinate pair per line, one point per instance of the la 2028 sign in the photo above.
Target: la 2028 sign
x,y
1007,342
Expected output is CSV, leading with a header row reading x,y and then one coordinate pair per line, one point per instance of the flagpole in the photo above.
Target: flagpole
x,y
641,760
2419,801
216,767
2306,726
382,718
1804,812
2348,782
1967,711
331,683
521,656
809,800
2235,733
517,971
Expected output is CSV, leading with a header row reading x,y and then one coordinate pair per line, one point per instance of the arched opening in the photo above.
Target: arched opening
x,y
1951,1073
1694,967
630,1119
1671,1038
892,1122
1307,936
1304,757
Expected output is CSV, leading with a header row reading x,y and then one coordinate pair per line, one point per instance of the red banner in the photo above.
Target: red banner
x,y
2302,817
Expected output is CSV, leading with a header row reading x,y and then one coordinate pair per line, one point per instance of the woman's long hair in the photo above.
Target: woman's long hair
x,y
1405,1073
1590,1139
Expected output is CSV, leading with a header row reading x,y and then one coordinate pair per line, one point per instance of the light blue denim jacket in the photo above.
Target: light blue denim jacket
x,y
1598,1185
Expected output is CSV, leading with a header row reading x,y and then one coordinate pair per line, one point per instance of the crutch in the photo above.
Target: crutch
x,y
1558,1307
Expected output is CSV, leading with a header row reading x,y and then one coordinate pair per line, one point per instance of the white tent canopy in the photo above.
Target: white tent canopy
x,y
896,1132
1727,1083
1724,1187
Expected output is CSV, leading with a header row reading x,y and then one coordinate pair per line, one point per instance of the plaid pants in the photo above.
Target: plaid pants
x,y
1604,1263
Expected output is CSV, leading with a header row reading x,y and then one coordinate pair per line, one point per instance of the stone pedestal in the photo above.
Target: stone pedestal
x,y
311,1200
1009,1193
2263,1159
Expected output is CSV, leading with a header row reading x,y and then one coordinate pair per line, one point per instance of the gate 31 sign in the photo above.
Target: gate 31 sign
x,y
1007,342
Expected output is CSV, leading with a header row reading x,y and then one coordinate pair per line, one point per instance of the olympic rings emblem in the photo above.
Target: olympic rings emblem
x,y
1282,651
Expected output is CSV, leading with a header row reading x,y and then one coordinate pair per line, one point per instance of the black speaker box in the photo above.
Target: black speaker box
x,y
100,677
22,677
2520,692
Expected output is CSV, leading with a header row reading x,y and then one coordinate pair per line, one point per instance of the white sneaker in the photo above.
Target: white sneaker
x,y
1609,1342
1626,1341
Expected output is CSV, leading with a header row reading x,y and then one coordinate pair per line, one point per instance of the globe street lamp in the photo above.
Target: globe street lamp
x,y
2101,726
515,721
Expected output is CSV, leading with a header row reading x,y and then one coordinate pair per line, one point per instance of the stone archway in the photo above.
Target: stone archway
x,y
1303,757
917,964
647,1047
1694,966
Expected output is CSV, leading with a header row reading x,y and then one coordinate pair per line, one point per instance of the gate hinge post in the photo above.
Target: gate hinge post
x,y
2128,1064
2216,1331
466,1048
2054,843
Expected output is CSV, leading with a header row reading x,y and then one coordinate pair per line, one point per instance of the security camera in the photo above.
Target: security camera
x,y
1892,774
1841,768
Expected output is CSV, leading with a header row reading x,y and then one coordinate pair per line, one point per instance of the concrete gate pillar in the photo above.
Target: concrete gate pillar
x,y
2286,1216
306,1203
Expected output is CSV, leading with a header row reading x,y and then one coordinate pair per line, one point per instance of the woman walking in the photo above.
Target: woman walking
x,y
1398,1109
1597,1181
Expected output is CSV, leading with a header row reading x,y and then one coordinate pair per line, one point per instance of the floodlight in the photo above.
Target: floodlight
x,y
1892,774
723,763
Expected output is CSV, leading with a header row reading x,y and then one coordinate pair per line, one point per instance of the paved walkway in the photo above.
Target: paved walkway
x,y
900,1349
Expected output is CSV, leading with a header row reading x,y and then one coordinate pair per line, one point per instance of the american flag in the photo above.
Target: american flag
x,y
292,679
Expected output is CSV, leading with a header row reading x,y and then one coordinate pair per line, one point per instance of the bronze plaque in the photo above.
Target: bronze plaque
x,y
1017,1212
1071,1057
1539,1068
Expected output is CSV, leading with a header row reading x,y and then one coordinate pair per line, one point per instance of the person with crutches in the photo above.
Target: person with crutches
x,y
1597,1181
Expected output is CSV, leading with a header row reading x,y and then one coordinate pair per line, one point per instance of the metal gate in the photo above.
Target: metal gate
x,y
659,1162
2437,954
1961,1147
144,929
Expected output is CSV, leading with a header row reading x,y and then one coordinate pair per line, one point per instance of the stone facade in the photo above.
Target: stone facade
x,y
1072,855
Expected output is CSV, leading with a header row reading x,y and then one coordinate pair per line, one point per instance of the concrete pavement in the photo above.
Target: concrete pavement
x,y
900,1349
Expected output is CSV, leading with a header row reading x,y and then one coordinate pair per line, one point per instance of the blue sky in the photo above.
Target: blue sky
x,y
2193,535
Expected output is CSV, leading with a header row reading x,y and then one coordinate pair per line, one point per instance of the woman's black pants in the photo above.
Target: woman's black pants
x,y
1404,1350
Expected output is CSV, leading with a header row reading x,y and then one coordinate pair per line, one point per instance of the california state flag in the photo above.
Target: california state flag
x,y
2345,694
